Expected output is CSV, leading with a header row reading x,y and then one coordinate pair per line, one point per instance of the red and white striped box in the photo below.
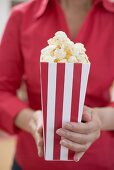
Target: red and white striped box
x,y
63,88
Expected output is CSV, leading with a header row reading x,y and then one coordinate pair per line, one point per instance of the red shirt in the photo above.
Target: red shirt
x,y
30,26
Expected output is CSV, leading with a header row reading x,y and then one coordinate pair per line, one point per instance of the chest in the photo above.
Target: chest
x,y
74,21
96,37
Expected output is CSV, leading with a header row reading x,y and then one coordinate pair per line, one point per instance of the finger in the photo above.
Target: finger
x,y
40,142
78,156
86,117
40,130
83,128
38,139
87,109
72,136
78,138
40,152
40,147
87,114
73,146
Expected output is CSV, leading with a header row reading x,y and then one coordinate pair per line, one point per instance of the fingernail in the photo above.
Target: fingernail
x,y
38,153
58,131
76,159
63,142
68,125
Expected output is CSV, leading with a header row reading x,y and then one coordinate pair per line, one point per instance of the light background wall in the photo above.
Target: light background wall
x,y
5,6
4,13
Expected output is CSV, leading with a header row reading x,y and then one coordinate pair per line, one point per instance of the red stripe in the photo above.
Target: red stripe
x,y
58,108
44,89
75,98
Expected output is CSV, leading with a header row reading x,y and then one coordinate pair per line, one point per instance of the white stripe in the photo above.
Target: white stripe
x,y
67,103
42,99
52,69
84,80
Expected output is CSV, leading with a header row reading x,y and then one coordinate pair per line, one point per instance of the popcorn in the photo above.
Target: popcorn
x,y
60,54
61,49
72,59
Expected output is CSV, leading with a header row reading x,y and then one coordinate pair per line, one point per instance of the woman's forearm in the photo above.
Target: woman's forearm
x,y
106,117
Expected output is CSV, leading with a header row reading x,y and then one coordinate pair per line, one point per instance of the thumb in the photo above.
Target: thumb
x,y
78,156
40,129
87,114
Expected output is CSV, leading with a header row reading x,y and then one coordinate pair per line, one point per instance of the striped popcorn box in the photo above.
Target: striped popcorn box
x,y
63,88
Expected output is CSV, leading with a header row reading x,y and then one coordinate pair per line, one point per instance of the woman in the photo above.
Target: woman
x,y
29,27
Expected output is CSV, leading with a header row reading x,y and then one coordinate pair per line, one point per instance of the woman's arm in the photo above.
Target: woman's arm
x,y
14,113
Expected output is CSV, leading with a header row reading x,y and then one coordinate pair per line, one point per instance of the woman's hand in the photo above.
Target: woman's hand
x,y
79,137
36,125
32,122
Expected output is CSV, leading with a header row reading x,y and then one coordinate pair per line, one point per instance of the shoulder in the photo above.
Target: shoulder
x,y
25,9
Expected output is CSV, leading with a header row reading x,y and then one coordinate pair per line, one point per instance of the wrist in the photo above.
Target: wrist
x,y
105,116
98,117
23,120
